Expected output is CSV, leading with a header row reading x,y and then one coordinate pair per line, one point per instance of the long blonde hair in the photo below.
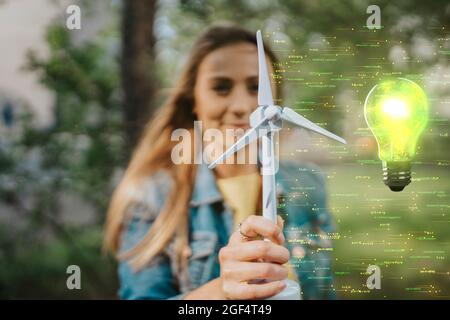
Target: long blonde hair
x,y
153,153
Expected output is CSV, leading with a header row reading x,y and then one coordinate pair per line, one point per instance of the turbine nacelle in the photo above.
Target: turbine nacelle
x,y
272,113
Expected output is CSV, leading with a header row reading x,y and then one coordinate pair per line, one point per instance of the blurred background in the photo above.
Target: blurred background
x,y
72,104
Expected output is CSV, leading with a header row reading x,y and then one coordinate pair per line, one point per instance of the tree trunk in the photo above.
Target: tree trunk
x,y
138,66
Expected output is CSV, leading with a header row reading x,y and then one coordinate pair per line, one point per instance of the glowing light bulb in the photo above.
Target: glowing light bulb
x,y
395,108
396,112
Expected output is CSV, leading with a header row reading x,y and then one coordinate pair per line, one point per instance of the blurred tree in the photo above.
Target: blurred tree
x,y
79,155
138,65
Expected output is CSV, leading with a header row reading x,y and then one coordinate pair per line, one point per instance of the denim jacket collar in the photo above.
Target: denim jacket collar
x,y
205,188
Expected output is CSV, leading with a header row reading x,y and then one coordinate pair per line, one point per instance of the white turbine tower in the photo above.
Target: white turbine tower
x,y
265,121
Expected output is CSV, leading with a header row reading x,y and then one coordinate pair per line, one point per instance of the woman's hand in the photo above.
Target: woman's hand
x,y
244,260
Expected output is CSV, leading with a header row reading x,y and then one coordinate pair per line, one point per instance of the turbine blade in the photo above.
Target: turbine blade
x,y
253,134
293,117
264,88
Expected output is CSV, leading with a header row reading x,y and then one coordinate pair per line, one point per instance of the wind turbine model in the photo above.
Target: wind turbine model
x,y
265,121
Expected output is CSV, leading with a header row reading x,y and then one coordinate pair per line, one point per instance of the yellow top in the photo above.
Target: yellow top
x,y
241,193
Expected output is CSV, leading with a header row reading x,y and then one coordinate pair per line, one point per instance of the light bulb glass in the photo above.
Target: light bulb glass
x,y
396,111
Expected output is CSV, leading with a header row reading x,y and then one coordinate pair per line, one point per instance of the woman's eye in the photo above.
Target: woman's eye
x,y
253,88
222,89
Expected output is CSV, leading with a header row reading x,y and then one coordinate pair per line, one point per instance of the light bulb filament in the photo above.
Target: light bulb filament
x,y
396,108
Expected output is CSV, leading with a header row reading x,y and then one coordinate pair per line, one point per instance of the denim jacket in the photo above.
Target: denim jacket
x,y
308,229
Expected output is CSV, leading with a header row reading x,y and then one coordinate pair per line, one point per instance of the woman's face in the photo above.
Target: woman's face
x,y
226,89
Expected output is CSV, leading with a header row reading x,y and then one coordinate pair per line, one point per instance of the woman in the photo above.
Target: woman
x,y
173,226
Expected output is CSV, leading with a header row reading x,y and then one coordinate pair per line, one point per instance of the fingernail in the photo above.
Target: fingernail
x,y
281,237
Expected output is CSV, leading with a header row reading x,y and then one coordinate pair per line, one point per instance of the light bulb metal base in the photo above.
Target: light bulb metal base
x,y
396,174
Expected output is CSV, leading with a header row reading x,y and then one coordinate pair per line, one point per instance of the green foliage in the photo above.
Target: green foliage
x,y
79,154
37,270
85,140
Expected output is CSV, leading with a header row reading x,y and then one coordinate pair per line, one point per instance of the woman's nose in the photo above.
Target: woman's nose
x,y
242,104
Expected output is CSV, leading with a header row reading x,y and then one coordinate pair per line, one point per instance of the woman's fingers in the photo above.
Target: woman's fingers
x,y
246,271
253,291
237,260
253,250
280,222
255,226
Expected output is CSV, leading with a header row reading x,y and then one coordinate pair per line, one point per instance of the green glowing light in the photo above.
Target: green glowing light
x,y
395,108
396,112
